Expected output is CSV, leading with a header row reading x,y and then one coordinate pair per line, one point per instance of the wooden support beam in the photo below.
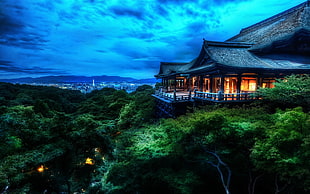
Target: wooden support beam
x,y
200,83
222,84
211,85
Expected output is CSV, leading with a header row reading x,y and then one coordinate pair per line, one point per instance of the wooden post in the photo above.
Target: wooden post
x,y
175,89
239,84
201,83
211,85
222,84
259,82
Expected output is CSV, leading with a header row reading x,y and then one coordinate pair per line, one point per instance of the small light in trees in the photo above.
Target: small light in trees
x,y
89,161
41,168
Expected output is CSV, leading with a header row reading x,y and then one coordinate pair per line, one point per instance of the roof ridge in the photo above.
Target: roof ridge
x,y
228,44
271,19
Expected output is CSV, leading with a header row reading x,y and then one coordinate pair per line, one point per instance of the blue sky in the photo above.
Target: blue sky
x,y
117,37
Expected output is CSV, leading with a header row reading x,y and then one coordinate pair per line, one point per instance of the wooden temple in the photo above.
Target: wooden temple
x,y
231,71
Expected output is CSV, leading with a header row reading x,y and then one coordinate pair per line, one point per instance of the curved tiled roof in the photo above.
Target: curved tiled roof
x,y
242,57
167,68
277,27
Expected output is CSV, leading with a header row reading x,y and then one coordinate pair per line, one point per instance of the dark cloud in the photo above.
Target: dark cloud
x,y
126,11
197,28
22,42
9,25
175,1
221,2
161,10
144,35
13,30
101,51
9,66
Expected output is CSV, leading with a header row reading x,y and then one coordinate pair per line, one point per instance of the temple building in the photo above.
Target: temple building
x,y
232,70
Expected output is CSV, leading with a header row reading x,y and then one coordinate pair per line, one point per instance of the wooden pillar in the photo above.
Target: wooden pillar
x,y
201,83
259,81
222,84
239,83
187,84
211,85
175,88
166,84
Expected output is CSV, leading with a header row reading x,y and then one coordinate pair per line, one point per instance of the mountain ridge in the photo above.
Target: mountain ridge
x,y
76,79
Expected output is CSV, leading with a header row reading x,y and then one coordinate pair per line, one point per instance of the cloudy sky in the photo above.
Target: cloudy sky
x,y
117,37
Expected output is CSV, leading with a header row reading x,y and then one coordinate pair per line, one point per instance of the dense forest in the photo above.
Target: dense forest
x,y
109,141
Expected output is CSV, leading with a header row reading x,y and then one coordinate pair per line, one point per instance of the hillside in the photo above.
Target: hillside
x,y
109,141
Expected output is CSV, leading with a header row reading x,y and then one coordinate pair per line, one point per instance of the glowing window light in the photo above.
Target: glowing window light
x,y
252,86
89,161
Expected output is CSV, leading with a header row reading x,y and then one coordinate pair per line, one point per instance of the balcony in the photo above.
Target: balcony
x,y
172,97
224,97
183,96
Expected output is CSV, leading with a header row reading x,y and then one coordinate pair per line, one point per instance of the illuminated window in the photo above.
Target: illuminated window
x,y
206,84
248,84
230,85
268,83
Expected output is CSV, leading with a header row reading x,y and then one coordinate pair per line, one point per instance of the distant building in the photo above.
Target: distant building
x,y
231,70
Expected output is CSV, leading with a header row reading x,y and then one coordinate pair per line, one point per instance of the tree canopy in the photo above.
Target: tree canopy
x,y
109,141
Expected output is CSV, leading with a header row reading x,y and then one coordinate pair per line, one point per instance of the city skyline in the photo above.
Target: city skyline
x,y
125,38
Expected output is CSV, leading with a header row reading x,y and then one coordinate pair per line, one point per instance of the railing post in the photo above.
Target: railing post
x,y
174,95
220,95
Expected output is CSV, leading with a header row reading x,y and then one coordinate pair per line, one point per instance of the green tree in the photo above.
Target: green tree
x,y
140,110
285,150
293,90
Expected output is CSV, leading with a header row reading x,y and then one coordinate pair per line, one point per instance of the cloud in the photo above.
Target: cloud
x,y
9,66
150,58
9,25
125,11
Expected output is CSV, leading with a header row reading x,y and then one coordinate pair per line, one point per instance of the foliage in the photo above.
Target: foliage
x,y
285,150
128,151
293,90
104,104
139,110
176,152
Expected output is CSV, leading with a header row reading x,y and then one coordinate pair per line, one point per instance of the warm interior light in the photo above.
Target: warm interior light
x,y
89,161
248,84
252,86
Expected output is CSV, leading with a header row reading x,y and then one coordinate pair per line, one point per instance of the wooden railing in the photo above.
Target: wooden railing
x,y
173,96
219,97
215,97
